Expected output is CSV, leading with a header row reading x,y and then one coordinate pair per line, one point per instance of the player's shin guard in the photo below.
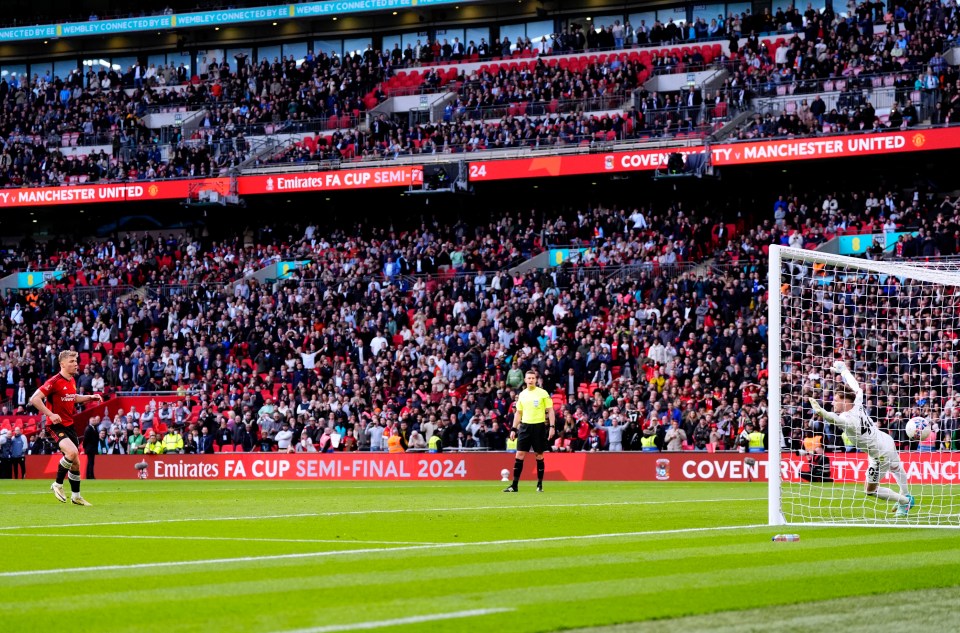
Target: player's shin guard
x,y
540,472
517,469
74,481
62,468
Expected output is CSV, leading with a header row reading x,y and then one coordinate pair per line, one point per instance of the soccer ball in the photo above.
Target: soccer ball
x,y
505,475
918,428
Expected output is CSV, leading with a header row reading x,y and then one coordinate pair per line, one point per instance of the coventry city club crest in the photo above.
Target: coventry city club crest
x,y
663,469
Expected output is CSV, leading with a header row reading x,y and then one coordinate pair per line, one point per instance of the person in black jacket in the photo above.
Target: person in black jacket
x,y
91,442
818,468
223,436
205,442
242,437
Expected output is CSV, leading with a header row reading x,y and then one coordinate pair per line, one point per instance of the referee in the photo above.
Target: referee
x,y
534,407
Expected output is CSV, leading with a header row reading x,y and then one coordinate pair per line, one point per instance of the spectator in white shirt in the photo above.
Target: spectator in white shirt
x,y
285,436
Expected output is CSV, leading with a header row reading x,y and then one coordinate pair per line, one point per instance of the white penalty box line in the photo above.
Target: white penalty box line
x,y
369,550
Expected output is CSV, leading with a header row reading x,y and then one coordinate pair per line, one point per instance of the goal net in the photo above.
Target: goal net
x,y
897,327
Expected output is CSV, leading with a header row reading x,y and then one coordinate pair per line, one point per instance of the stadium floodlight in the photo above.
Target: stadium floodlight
x,y
894,326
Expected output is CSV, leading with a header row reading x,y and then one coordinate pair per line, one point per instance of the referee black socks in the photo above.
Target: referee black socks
x,y
540,473
517,469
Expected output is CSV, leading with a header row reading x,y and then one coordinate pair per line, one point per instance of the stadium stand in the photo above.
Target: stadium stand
x,y
425,323
90,126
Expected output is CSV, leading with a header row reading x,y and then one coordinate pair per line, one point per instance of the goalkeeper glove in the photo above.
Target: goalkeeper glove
x,y
838,366
816,406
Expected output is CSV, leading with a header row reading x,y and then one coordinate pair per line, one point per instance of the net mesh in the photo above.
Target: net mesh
x,y
899,335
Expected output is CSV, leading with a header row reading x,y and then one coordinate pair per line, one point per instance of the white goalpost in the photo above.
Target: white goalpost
x,y
897,327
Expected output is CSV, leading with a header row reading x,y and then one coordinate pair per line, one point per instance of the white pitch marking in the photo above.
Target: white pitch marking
x,y
325,485
416,619
368,550
181,537
361,512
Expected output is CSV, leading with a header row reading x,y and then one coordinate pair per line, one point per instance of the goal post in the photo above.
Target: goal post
x,y
774,434
897,326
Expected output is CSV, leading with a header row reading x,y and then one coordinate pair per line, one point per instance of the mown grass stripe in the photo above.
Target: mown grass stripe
x,y
391,550
302,515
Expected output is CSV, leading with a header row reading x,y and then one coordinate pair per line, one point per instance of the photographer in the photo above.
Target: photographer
x,y
115,445
42,445
817,469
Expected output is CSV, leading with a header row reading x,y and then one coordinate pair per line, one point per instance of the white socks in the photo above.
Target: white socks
x,y
901,478
889,495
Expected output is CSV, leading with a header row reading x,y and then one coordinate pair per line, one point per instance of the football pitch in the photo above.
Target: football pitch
x,y
279,557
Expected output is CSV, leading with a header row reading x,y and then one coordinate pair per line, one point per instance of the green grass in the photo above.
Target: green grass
x,y
277,557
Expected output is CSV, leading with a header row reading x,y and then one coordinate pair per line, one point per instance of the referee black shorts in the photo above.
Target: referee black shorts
x,y
60,432
532,437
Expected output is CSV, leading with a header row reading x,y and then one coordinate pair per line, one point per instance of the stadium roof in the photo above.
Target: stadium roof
x,y
218,17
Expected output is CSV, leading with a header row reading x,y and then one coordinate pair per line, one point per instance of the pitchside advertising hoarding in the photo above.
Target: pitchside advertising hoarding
x,y
938,468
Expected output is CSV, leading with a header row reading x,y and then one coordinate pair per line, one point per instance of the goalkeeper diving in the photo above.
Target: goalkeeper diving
x,y
862,431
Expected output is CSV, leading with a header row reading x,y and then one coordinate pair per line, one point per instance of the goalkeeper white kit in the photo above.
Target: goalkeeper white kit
x,y
862,431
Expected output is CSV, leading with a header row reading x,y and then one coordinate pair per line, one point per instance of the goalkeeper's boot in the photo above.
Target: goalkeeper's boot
x,y
58,492
80,501
510,488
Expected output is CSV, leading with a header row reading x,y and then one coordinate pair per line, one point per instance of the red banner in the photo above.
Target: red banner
x,y
401,176
848,468
116,192
722,155
474,466
921,468
398,176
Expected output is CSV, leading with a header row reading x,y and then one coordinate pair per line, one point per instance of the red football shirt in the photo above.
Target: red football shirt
x,y
61,394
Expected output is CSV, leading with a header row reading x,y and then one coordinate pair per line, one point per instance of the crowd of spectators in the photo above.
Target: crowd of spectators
x,y
848,57
140,260
391,330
